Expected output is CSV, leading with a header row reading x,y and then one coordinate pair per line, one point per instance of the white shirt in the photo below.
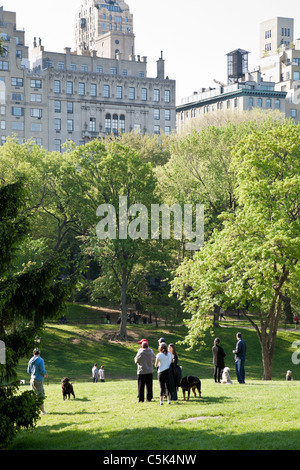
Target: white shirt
x,y
164,361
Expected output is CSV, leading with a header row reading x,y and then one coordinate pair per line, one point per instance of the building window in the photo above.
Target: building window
x,y
142,74
70,125
119,92
17,126
131,93
17,111
61,65
69,107
259,102
93,89
296,76
81,88
3,125
235,103
122,123
167,96
277,104
3,65
250,102
17,96
35,98
57,106
106,91
99,69
16,81
73,67
156,95
56,86
38,141
144,94
156,129
57,124
84,68
156,114
92,124
57,145
124,73
168,114
36,112
2,110
36,83
113,70
69,89
115,122
167,130
293,113
108,123
36,127
268,103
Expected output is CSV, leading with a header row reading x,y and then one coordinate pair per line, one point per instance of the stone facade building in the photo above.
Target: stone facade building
x,y
53,97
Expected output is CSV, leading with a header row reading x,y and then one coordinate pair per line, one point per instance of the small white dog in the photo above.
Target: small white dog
x,y
225,376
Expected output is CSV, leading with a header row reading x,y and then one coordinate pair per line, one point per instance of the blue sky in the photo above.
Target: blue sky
x,y
195,36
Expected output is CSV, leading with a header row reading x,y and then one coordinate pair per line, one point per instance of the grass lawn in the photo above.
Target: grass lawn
x,y
255,416
259,415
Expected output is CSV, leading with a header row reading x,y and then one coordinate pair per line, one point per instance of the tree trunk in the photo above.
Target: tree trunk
x,y
123,325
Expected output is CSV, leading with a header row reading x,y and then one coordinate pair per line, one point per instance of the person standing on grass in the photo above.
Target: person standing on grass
x,y
101,374
37,371
145,360
95,373
218,360
163,362
240,356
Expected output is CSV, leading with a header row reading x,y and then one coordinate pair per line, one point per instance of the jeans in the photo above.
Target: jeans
x,y
240,370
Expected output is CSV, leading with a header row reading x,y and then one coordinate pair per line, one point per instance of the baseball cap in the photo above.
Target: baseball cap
x,y
143,341
162,340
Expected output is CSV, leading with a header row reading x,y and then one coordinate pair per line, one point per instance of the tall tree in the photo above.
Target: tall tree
x,y
251,263
104,172
27,298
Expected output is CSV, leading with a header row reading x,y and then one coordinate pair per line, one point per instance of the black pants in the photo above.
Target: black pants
x,y
218,373
145,380
164,382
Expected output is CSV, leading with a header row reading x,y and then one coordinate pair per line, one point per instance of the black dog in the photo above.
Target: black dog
x,y
67,388
189,383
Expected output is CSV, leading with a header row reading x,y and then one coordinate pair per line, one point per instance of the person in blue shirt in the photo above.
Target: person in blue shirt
x,y
37,371
240,356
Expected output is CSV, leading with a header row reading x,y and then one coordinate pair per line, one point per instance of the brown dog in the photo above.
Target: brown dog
x,y
67,388
189,383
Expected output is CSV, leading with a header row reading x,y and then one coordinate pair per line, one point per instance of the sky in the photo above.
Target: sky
x,y
194,35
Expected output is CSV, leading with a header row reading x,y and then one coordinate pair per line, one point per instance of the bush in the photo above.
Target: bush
x,y
17,412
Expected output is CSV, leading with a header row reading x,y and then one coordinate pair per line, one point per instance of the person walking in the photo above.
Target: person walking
x,y
144,359
218,360
95,373
163,361
240,356
101,374
37,371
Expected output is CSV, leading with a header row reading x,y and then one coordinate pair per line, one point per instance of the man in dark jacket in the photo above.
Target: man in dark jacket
x,y
218,360
240,356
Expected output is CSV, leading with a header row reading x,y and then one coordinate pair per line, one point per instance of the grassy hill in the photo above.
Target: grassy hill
x,y
72,349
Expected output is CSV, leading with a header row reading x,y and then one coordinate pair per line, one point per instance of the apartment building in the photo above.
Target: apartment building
x,y
244,91
280,62
53,97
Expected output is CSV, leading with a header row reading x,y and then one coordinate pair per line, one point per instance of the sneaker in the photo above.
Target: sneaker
x,y
161,403
169,402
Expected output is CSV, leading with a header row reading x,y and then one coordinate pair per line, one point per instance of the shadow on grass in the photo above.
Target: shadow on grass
x,y
181,436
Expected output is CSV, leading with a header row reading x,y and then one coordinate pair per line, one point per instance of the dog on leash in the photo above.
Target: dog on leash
x,y
189,383
225,376
67,388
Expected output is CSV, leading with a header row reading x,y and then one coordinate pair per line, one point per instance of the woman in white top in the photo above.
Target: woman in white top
x,y
163,362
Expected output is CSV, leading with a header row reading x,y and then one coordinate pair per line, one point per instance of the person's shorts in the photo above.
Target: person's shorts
x,y
37,386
